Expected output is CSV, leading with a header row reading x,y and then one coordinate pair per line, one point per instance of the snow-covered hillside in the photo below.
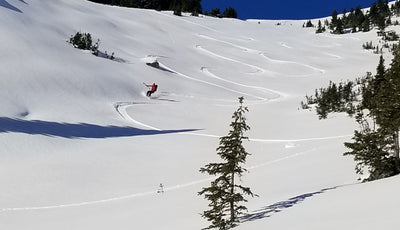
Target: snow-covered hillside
x,y
82,147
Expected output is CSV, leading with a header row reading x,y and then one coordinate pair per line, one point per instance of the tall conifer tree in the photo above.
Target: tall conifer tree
x,y
224,194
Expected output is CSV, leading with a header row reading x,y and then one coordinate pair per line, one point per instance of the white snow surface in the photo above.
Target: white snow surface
x,y
82,147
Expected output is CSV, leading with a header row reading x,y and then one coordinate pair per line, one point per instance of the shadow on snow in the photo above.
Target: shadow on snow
x,y
7,5
268,211
81,130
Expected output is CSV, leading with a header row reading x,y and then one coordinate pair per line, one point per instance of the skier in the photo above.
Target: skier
x,y
153,88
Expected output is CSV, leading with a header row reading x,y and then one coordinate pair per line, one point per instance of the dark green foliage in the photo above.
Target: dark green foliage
x,y
320,28
195,7
84,41
81,41
333,23
334,98
178,12
368,46
178,6
390,36
339,27
355,21
386,100
127,3
379,11
309,24
372,150
229,13
375,105
214,12
396,8
224,194
374,100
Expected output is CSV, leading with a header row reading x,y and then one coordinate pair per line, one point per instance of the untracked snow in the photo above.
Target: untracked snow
x,y
82,147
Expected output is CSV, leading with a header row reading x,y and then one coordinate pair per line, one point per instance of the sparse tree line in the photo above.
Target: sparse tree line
x,y
379,15
356,20
178,6
374,102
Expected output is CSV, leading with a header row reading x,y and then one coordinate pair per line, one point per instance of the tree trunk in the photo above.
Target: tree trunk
x,y
232,202
396,144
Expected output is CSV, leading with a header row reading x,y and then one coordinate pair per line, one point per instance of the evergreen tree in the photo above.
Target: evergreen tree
x,y
195,7
229,13
366,24
333,24
320,29
215,12
309,24
387,100
372,151
224,194
339,27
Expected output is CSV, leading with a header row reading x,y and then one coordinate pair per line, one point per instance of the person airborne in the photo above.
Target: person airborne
x,y
153,88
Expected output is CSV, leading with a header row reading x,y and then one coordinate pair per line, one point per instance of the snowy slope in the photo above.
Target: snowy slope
x,y
83,148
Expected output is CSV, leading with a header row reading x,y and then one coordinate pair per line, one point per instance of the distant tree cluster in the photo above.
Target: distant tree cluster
x,y
228,13
178,6
334,98
374,102
355,20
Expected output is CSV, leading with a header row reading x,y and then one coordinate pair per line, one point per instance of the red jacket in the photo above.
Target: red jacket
x,y
153,87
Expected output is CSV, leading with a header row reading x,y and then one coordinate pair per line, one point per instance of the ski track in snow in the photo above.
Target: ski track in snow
x,y
141,194
122,106
279,94
210,83
124,114
257,69
258,52
322,71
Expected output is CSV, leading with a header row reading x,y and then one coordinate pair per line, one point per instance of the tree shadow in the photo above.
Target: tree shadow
x,y
80,130
268,211
5,4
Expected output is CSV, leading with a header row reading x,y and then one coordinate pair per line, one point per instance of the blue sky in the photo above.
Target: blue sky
x,y
284,9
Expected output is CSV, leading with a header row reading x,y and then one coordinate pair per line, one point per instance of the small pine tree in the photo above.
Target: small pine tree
x,y
320,29
309,24
224,194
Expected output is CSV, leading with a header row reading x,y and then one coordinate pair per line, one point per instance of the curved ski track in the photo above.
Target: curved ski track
x,y
262,54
